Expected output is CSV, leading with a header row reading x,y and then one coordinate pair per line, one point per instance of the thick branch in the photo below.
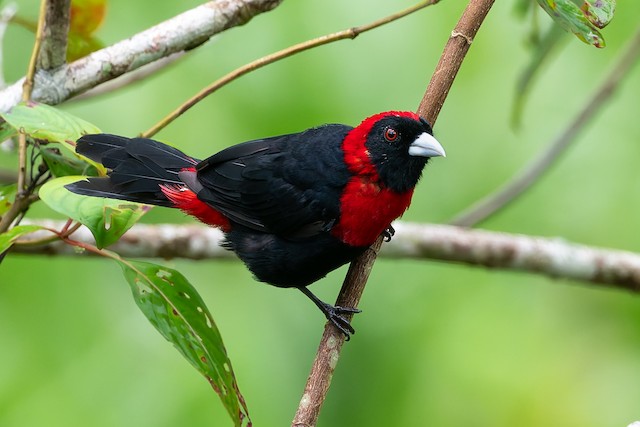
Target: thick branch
x,y
53,50
183,32
353,286
550,257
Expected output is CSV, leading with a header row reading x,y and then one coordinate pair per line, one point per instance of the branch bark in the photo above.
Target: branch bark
x,y
53,51
551,257
180,33
332,340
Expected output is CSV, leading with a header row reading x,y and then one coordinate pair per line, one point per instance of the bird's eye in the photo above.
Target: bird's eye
x,y
390,134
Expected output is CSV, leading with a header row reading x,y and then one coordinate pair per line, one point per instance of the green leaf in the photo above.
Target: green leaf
x,y
106,218
9,238
61,165
43,122
582,21
599,12
178,312
6,131
80,45
7,194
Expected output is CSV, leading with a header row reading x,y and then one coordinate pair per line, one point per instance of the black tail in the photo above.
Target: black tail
x,y
137,167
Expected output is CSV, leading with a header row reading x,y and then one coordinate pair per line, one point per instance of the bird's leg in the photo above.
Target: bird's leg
x,y
334,314
388,233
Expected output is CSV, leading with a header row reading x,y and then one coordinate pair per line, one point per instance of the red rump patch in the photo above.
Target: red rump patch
x,y
187,201
367,208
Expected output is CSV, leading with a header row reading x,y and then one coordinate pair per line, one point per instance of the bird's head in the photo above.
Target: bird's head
x,y
393,147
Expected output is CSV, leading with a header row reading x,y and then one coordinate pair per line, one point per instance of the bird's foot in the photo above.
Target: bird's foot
x,y
388,233
335,315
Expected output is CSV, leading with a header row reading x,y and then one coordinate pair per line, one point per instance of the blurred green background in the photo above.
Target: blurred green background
x,y
437,344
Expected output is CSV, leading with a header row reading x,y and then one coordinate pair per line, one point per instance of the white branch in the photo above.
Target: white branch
x,y
183,32
551,257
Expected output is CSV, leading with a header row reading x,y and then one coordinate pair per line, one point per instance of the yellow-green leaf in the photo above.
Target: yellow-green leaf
x,y
9,238
87,15
106,218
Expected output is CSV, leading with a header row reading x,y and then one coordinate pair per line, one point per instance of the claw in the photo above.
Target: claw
x,y
389,233
334,314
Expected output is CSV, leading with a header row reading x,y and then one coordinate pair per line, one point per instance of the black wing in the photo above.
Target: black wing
x,y
288,185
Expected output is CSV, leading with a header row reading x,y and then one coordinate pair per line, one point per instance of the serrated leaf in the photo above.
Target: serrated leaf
x,y
107,219
178,312
7,194
87,15
61,165
8,238
43,122
582,21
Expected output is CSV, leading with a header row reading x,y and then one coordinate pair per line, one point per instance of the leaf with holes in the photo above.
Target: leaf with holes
x,y
107,219
9,238
178,312
43,122
582,21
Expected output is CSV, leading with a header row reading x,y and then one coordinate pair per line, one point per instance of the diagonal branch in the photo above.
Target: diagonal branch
x,y
332,340
180,33
531,173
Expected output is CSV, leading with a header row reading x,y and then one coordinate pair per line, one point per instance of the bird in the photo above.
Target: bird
x,y
292,207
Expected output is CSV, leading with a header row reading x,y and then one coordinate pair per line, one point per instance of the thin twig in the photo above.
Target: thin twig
x,y
22,199
531,173
27,86
350,33
332,340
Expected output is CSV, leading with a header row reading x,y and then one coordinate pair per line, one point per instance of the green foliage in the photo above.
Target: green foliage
x,y
61,165
6,131
7,239
86,17
106,218
7,193
584,20
46,123
178,312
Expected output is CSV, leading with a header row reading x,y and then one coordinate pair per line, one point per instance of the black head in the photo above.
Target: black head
x,y
399,145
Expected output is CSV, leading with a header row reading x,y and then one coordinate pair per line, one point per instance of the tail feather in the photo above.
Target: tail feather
x,y
137,168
